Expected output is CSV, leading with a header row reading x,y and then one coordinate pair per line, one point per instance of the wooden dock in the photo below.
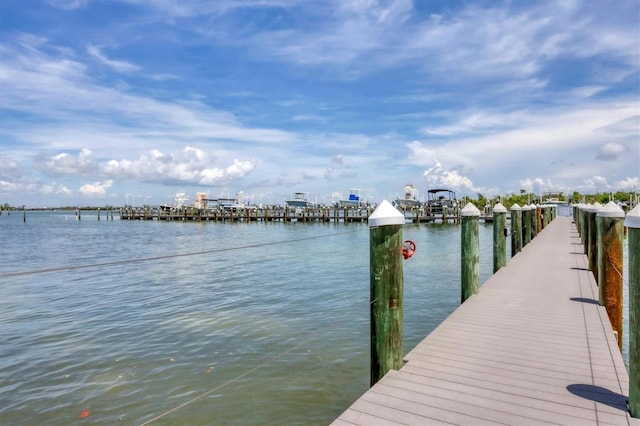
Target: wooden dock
x,y
532,347
281,214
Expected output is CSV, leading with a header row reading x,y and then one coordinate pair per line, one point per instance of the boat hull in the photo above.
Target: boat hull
x,y
300,203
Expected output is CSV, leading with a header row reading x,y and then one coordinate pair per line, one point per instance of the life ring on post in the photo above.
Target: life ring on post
x,y
408,249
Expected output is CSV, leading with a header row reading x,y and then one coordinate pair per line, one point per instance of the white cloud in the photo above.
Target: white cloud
x,y
596,184
96,189
478,122
119,66
190,166
438,177
538,185
586,91
10,168
307,117
240,168
65,164
502,40
58,89
629,184
610,151
67,4
560,143
63,190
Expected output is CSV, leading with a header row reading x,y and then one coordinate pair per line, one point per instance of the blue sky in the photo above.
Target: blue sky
x,y
113,102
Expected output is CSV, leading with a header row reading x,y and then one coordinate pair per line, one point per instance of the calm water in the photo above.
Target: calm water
x,y
260,323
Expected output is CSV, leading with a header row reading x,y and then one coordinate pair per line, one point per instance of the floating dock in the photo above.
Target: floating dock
x,y
533,347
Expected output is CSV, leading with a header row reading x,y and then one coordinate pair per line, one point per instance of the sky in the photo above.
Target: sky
x,y
132,101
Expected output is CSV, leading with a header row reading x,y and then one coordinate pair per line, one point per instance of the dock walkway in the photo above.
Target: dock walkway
x,y
532,347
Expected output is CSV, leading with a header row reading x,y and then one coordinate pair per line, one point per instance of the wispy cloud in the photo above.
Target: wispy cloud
x,y
60,89
119,66
67,4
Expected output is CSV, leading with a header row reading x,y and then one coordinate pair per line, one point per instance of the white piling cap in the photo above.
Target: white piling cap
x,y
593,208
633,218
469,210
585,206
610,209
499,208
525,208
533,206
385,214
516,207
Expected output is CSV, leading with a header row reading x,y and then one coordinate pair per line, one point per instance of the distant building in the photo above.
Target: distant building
x,y
201,200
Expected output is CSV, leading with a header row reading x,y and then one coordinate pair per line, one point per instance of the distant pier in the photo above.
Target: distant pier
x,y
282,214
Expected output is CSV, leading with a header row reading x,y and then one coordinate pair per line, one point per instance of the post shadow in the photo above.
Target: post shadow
x,y
584,300
599,394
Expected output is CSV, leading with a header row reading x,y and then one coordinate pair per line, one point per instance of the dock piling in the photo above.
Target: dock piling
x,y
533,217
632,222
539,218
592,241
516,229
499,236
386,289
584,227
526,225
470,258
610,239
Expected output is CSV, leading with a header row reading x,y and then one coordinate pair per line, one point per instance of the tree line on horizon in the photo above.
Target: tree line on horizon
x,y
525,197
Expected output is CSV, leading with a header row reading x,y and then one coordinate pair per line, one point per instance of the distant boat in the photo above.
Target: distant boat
x,y
230,204
353,200
300,199
487,214
178,202
440,198
410,198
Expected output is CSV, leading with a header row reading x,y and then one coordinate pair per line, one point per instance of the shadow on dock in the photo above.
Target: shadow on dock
x,y
599,394
584,300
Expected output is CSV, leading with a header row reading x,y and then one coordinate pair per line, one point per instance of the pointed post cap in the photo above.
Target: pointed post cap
x,y
610,209
499,208
633,218
594,207
525,208
385,214
516,207
469,211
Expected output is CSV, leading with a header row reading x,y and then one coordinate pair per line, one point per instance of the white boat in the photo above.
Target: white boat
x,y
410,198
230,204
300,199
178,202
353,200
